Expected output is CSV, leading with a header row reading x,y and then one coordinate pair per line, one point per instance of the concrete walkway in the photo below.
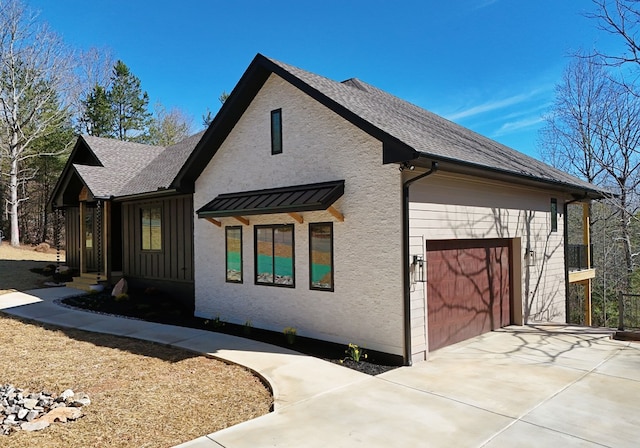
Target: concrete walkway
x,y
523,386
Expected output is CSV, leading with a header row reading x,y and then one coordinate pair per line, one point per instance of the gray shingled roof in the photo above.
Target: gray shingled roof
x,y
132,168
162,170
121,161
428,133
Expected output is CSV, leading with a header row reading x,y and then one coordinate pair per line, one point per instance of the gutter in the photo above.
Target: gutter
x,y
405,258
150,194
471,168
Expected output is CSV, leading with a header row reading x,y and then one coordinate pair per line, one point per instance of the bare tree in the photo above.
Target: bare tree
x,y
620,18
593,131
34,71
621,162
571,139
93,69
169,126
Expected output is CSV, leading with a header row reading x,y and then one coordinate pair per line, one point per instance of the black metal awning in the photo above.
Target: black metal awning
x,y
298,198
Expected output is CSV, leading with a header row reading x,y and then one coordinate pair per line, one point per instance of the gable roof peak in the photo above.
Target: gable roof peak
x,y
405,129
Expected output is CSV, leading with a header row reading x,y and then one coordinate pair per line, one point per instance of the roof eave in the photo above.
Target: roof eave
x,y
147,195
495,173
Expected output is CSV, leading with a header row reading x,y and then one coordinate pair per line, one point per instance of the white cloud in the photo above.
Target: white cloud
x,y
512,126
490,106
536,96
485,3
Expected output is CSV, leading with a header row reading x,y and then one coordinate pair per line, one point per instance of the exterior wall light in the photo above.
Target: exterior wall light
x,y
529,257
417,269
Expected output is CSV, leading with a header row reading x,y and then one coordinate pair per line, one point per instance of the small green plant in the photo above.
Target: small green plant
x,y
355,353
121,297
290,334
246,329
216,322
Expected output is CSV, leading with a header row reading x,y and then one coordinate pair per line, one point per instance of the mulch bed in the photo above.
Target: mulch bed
x,y
155,306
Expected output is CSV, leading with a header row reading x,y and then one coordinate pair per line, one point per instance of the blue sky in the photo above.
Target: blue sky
x,y
489,65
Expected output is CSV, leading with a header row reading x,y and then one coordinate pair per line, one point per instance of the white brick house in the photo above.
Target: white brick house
x,y
309,218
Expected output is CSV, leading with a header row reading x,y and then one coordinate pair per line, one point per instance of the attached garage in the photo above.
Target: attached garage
x,y
468,288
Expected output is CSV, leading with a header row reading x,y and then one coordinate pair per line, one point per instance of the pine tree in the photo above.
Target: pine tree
x,y
98,118
129,104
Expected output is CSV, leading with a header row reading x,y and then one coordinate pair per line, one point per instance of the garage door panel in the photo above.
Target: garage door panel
x,y
467,289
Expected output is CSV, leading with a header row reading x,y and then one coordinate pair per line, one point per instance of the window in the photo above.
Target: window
x,y
321,256
274,255
276,131
88,227
233,248
151,223
554,215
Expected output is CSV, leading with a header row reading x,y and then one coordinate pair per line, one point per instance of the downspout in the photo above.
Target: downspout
x,y
405,259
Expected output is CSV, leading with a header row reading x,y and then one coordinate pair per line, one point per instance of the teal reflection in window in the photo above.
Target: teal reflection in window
x,y
321,256
274,255
233,245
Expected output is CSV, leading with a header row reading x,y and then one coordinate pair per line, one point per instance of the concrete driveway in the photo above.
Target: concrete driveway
x,y
535,386
523,386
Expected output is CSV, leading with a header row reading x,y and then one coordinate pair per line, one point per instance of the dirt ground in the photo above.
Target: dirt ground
x,y
143,394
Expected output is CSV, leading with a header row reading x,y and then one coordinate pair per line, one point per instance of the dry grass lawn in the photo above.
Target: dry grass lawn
x,y
143,394
15,264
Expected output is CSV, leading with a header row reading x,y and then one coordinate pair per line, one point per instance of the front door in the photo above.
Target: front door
x,y
90,263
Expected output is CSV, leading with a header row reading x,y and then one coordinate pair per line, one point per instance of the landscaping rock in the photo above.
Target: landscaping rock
x,y
63,270
66,395
120,288
34,426
80,399
29,403
36,411
61,414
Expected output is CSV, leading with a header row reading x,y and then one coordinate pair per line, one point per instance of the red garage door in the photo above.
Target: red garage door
x,y
468,289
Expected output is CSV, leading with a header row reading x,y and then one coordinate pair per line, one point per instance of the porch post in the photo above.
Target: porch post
x,y
586,238
106,240
83,237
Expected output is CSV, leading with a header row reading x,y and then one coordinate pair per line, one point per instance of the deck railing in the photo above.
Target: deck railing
x,y
577,257
628,311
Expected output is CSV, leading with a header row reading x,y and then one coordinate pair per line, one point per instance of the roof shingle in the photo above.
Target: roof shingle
x,y
429,134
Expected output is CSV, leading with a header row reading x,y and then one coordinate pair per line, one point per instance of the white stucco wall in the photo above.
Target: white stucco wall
x,y
366,306
447,206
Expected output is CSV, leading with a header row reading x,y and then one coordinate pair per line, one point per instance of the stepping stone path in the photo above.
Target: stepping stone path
x,y
20,409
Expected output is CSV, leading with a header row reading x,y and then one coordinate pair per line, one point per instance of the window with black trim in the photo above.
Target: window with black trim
x,y
151,228
276,131
274,255
321,256
233,250
554,215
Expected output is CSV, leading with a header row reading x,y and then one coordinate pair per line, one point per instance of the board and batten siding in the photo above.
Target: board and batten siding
x,y
175,261
447,206
72,237
366,306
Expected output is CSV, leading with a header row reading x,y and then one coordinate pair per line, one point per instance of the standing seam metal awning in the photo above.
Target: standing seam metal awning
x,y
298,198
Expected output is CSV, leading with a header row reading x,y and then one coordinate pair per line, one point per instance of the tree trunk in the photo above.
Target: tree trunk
x,y
13,195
